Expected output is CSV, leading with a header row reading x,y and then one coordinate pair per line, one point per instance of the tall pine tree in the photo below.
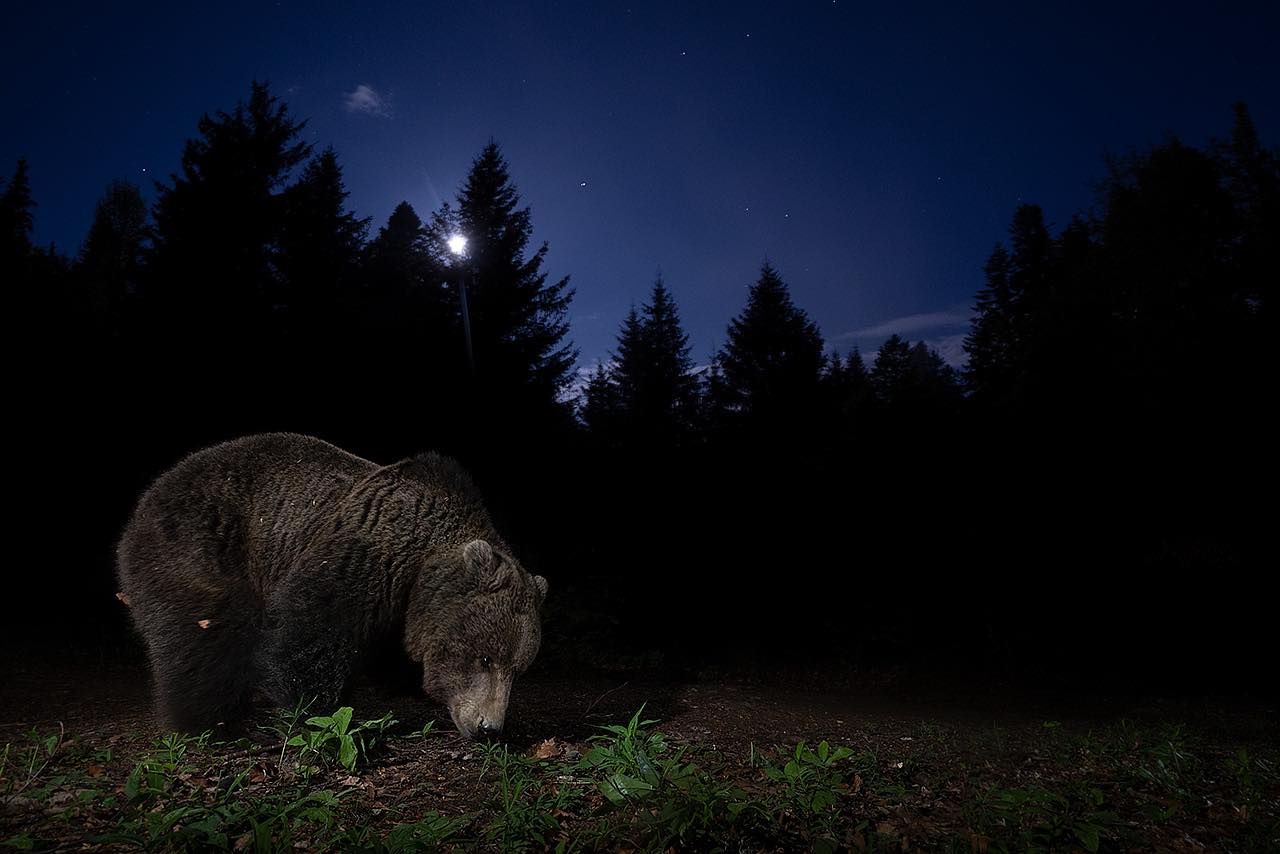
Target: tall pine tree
x,y
319,250
110,265
218,224
650,383
16,223
772,363
518,318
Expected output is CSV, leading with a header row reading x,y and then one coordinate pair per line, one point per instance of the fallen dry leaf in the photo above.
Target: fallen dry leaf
x,y
548,749
123,598
204,624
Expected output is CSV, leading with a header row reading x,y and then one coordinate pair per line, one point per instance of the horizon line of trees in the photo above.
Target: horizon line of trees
x,y
1160,295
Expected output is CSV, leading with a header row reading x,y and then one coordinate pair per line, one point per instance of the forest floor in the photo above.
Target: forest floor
x,y
906,765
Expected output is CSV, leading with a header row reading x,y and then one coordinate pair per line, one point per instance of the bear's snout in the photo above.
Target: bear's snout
x,y
480,709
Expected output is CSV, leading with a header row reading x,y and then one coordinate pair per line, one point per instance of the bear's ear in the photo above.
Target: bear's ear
x,y
492,573
540,584
479,555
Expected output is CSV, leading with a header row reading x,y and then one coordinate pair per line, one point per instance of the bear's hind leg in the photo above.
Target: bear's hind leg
x,y
203,667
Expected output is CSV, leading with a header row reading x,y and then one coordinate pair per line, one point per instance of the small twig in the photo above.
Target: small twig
x,y
32,775
602,696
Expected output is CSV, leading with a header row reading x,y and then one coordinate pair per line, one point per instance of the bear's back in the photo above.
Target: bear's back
x,y
241,509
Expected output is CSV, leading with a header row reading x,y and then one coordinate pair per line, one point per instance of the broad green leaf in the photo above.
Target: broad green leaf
x,y
342,718
347,753
1088,834
133,783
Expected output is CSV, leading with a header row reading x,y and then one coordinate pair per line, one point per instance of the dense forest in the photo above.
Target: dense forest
x,y
1088,497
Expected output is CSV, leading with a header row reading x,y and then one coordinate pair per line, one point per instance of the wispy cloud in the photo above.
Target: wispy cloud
x,y
367,100
905,326
943,331
950,348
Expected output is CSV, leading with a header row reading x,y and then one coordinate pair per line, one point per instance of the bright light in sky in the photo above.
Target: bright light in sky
x,y
458,245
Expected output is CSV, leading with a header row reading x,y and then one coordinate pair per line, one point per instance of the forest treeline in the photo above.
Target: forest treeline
x,y
1084,491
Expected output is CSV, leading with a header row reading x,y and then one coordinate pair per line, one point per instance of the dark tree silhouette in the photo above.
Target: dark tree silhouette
x,y
1253,181
991,343
16,222
518,318
651,375
397,260
601,407
218,225
110,266
848,391
771,364
407,302
891,373
319,250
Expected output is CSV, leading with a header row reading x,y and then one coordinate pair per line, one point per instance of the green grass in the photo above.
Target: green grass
x,y
634,787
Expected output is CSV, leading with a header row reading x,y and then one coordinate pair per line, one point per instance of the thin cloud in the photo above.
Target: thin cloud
x,y
950,348
367,100
943,331
911,323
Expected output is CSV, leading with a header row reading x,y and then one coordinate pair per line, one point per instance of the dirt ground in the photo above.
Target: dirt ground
x,y
939,743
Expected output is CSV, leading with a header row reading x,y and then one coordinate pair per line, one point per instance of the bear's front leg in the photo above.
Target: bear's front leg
x,y
311,644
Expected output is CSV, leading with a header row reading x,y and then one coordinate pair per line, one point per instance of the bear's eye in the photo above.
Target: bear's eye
x,y
486,663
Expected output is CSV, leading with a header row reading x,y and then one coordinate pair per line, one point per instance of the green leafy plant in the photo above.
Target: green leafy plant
x,y
156,772
1038,820
1168,763
232,820
813,782
625,756
332,739
675,800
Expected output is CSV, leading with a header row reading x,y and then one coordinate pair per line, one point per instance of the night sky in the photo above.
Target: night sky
x,y
874,156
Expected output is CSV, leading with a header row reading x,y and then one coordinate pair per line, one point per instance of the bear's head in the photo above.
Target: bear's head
x,y
474,622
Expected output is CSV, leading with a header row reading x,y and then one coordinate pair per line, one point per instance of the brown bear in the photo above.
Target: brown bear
x,y
273,562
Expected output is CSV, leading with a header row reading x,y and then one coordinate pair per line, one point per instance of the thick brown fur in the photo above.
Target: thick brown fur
x,y
274,561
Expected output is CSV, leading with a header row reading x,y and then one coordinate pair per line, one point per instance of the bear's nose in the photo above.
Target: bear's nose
x,y
489,730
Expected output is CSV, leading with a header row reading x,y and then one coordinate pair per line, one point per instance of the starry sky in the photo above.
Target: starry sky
x,y
874,153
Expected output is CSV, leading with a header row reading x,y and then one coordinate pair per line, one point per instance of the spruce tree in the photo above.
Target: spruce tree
x,y
518,318
110,264
397,259
16,223
320,246
848,390
772,362
892,372
601,407
407,302
218,224
913,382
991,344
652,370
